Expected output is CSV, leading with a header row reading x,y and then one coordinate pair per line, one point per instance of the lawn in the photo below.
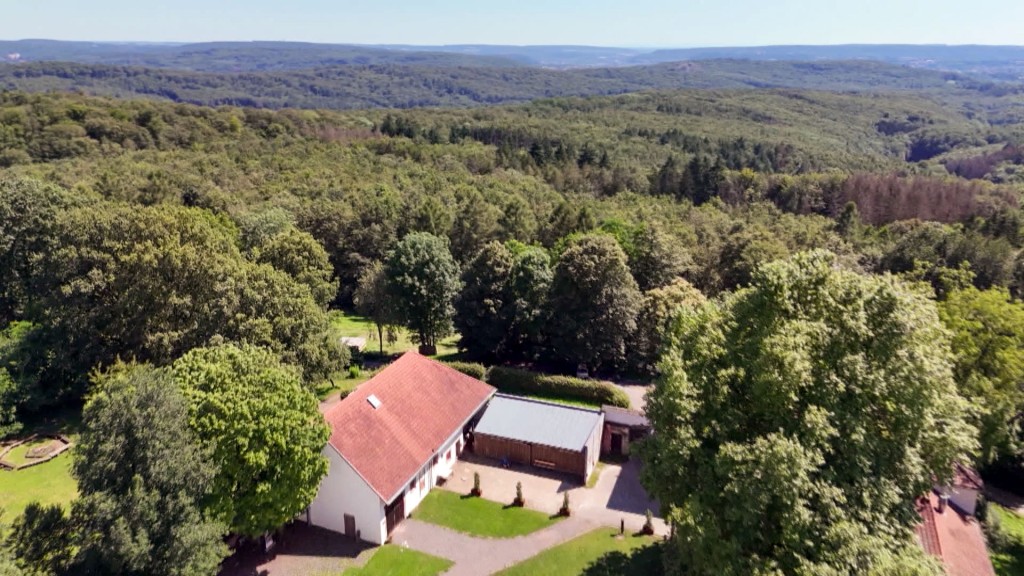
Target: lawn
x,y
602,551
478,516
19,455
48,483
391,560
1009,560
349,324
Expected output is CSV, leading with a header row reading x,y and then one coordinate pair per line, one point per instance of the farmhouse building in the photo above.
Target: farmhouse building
x,y
391,440
541,434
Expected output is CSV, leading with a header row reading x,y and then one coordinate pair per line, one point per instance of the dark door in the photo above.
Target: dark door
x,y
616,443
395,512
350,526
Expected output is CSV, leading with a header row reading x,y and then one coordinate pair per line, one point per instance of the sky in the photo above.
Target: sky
x,y
625,23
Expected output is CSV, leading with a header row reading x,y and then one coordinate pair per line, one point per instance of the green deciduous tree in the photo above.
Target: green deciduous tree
x,y
798,417
141,477
988,347
593,304
28,212
656,259
373,300
304,259
424,280
264,429
658,311
480,315
153,282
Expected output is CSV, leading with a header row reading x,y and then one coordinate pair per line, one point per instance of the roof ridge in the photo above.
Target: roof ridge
x,y
548,402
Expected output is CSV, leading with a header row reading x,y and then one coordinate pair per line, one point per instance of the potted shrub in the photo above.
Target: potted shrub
x,y
564,511
476,485
519,501
648,528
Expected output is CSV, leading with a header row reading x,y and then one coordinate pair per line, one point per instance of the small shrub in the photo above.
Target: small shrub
x,y
564,511
648,528
997,537
516,381
476,485
471,369
519,501
353,372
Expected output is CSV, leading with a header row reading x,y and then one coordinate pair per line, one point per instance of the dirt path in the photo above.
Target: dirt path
x,y
475,556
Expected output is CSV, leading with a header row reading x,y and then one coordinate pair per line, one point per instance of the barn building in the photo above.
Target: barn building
x,y
542,434
391,440
622,428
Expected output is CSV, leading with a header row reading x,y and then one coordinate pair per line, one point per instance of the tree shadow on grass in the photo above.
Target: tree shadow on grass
x,y
646,561
1009,559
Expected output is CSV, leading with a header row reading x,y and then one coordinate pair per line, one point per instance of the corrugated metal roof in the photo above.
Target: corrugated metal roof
x,y
538,422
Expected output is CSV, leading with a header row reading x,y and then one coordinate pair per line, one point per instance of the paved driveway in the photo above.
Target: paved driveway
x,y
617,496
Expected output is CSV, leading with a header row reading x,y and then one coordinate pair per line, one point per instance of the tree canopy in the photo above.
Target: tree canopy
x,y
262,427
798,416
424,279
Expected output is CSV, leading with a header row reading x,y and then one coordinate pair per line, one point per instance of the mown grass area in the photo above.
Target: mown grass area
x,y
1008,558
19,455
350,324
595,475
391,560
602,552
480,517
47,483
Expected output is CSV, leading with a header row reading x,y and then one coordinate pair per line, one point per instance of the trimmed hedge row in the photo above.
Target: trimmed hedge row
x,y
516,381
471,369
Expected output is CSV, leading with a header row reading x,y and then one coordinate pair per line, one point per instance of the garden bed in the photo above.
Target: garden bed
x,y
32,451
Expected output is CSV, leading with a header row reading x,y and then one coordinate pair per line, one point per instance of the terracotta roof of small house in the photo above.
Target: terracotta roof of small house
x,y
389,427
966,477
955,538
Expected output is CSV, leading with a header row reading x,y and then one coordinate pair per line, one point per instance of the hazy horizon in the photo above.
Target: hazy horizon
x,y
599,23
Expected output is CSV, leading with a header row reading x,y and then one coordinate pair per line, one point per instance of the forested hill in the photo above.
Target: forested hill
x,y
236,56
403,86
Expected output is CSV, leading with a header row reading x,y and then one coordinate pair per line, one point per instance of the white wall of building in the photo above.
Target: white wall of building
x,y
343,491
419,486
593,447
965,499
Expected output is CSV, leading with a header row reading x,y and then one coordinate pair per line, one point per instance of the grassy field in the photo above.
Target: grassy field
x,y
479,517
348,324
19,455
599,552
49,483
1008,560
391,560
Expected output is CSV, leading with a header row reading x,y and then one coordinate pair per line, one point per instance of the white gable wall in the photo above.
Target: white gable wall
x,y
343,491
419,486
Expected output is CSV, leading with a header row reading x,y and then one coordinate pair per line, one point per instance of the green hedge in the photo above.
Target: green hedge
x,y
472,369
515,381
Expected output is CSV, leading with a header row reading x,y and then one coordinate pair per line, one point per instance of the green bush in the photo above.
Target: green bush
x,y
471,369
516,381
353,371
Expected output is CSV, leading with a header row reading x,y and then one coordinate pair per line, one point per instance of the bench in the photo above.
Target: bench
x,y
544,464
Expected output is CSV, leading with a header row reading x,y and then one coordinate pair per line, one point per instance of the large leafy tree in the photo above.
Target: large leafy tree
x,y
28,213
304,259
658,311
150,283
142,476
594,302
988,347
656,259
527,289
373,301
480,314
799,416
264,429
424,280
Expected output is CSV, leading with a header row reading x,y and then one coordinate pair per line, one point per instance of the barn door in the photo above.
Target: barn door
x,y
395,512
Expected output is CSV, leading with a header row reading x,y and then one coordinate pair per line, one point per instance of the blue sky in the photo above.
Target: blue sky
x,y
665,23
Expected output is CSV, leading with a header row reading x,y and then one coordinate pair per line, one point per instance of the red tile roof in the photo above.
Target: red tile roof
x,y
422,404
964,477
955,538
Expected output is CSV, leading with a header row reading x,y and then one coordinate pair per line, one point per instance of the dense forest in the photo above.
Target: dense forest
x,y
409,85
683,235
